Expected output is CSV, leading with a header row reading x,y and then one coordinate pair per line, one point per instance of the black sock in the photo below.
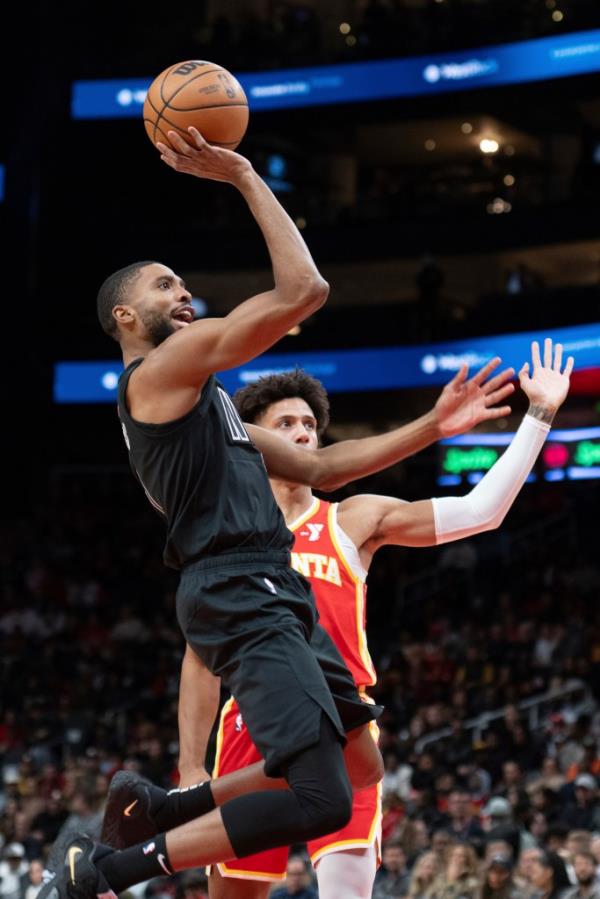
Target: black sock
x,y
123,868
181,806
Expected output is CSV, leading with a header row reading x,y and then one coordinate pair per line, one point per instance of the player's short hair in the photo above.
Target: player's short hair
x,y
112,293
252,401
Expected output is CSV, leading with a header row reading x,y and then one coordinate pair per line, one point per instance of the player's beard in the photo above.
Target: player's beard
x,y
158,326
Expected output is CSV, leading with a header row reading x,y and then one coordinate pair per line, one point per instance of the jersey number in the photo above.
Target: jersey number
x,y
234,422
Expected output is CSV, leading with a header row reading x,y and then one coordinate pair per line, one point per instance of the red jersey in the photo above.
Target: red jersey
x,y
325,555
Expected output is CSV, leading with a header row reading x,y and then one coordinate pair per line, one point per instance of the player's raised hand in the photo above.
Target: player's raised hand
x,y
203,159
547,386
464,404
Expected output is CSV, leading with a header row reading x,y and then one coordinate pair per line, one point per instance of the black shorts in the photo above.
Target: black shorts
x,y
252,620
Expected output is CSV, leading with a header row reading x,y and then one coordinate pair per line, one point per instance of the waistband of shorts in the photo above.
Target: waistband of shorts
x,y
238,560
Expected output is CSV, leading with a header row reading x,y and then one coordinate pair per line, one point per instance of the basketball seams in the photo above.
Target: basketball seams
x,y
161,113
156,128
157,120
212,106
181,86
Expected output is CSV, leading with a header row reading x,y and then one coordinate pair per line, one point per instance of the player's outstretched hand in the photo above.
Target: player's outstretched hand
x,y
464,404
547,385
203,160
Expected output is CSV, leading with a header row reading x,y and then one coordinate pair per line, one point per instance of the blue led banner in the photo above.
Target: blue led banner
x,y
572,455
535,60
342,371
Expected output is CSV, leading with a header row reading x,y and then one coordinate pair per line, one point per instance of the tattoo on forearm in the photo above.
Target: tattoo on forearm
x,y
542,413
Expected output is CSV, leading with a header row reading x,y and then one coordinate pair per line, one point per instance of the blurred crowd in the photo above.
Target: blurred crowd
x,y
487,792
294,33
297,34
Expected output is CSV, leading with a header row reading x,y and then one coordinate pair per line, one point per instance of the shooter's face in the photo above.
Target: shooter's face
x,y
292,419
161,302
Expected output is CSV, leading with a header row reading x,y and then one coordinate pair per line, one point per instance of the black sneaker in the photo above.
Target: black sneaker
x,y
72,874
127,818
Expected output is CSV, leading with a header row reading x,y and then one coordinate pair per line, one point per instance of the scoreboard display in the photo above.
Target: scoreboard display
x,y
567,455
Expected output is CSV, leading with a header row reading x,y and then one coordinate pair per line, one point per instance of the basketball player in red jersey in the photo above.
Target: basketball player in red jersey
x,y
296,406
334,545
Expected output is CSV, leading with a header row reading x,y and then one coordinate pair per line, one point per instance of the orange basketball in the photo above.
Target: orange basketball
x,y
198,93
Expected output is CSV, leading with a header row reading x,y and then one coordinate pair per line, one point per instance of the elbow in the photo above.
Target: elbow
x,y
326,481
491,522
328,486
316,293
312,294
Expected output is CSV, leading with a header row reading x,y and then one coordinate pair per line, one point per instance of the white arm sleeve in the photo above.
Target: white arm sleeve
x,y
486,505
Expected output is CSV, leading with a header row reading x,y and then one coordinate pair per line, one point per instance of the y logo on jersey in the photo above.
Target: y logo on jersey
x,y
313,533
239,723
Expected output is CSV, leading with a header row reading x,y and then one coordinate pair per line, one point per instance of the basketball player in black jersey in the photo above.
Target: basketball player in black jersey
x,y
247,615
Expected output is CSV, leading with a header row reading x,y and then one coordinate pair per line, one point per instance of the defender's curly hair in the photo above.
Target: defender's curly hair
x,y
253,400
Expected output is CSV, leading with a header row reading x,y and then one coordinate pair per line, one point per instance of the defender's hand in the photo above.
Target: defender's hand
x,y
547,387
464,404
203,160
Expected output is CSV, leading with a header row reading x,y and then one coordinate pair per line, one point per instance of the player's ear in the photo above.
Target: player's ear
x,y
123,315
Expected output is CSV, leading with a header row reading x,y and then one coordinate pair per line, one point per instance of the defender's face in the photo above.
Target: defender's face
x,y
293,419
161,301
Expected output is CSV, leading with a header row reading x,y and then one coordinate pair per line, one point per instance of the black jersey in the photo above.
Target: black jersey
x,y
204,475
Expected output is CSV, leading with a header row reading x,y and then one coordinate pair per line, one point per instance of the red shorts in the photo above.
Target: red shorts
x,y
236,750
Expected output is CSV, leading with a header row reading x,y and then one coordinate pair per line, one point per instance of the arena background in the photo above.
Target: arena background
x,y
438,217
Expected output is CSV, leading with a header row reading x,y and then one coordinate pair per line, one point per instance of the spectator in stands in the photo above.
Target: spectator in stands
x,y
584,812
512,777
297,881
413,836
556,838
549,876
85,815
426,869
12,868
192,885
396,778
31,883
460,877
577,841
589,763
549,777
498,882
393,878
47,823
587,886
460,822
523,874
538,827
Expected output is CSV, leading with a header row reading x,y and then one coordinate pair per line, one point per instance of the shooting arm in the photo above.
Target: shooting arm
x,y
255,325
199,693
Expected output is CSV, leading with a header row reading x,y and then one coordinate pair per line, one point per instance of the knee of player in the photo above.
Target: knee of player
x,y
338,811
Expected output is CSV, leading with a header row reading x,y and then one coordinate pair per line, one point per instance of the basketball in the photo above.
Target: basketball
x,y
198,93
